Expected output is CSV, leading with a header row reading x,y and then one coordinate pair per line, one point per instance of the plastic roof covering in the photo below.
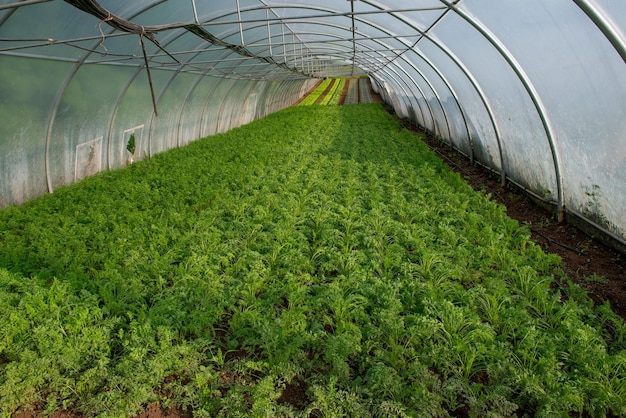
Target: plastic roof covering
x,y
534,89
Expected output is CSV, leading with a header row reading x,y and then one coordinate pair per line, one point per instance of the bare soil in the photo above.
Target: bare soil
x,y
344,92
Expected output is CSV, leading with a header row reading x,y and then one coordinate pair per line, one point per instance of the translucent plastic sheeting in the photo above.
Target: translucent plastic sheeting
x,y
510,103
24,108
534,89
582,85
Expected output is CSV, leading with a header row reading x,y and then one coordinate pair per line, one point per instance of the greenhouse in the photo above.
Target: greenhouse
x,y
240,208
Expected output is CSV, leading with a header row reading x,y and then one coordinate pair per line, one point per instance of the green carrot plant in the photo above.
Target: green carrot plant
x,y
322,251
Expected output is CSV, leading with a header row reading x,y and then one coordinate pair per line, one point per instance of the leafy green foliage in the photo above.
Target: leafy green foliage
x,y
332,96
317,93
318,262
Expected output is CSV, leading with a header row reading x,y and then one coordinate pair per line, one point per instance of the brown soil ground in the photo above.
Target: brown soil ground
x,y
344,92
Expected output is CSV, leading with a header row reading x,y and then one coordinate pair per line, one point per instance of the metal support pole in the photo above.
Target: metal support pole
x,y
353,29
269,31
282,28
195,12
243,43
293,43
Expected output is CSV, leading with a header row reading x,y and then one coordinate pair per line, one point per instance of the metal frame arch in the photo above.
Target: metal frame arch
x,y
371,24
410,93
606,26
8,15
138,71
253,85
176,33
237,12
283,24
444,80
52,117
120,97
530,90
436,95
417,101
57,101
309,19
461,66
137,9
173,36
455,97
471,78
395,69
392,74
412,48
402,84
415,67
244,90
483,98
232,32
184,106
158,100
204,110
221,105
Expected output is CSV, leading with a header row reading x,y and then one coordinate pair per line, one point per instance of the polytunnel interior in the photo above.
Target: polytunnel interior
x,y
534,90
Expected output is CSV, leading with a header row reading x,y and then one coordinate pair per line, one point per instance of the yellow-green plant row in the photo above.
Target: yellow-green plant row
x,y
334,95
312,98
322,251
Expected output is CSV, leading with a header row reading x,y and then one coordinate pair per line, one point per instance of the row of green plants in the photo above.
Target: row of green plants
x,y
318,262
316,95
334,95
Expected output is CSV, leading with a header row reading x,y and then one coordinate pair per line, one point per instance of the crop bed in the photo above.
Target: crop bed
x,y
317,93
328,92
333,96
319,262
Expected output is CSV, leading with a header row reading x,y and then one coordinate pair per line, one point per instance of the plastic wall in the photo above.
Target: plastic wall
x,y
63,118
86,127
541,91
